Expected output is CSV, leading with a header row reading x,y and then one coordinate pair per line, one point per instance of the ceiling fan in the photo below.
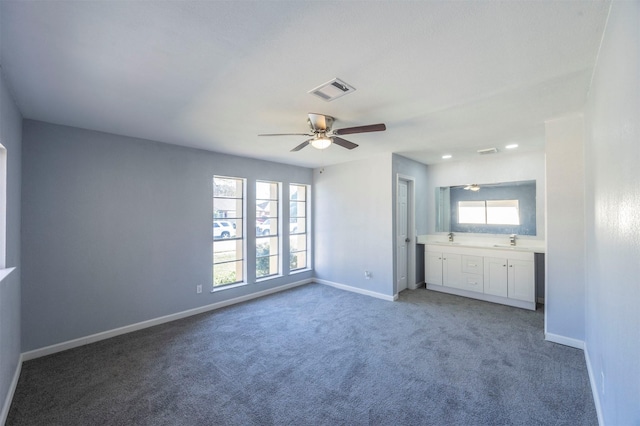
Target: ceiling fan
x,y
322,136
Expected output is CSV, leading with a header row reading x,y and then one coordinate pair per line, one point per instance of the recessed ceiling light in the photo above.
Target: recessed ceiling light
x,y
446,156
512,146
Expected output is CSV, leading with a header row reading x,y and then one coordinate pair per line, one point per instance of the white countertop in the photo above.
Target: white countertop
x,y
493,242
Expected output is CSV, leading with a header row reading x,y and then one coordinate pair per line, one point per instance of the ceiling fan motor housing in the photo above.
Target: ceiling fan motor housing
x,y
320,122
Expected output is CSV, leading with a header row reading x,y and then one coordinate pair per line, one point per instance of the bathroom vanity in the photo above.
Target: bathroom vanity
x,y
488,271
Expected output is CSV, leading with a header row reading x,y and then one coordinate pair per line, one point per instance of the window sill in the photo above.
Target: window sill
x,y
270,277
4,273
299,271
226,287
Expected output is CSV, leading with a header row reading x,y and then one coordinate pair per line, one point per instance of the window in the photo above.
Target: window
x,y
503,212
267,232
471,212
298,227
228,225
491,212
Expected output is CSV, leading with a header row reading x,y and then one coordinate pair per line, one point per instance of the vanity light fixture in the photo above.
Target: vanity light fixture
x,y
473,187
446,156
511,146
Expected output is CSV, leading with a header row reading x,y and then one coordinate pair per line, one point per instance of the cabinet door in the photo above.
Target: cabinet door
x,y
433,267
521,280
495,276
451,270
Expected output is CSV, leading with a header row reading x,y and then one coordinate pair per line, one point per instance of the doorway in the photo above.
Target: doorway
x,y
405,234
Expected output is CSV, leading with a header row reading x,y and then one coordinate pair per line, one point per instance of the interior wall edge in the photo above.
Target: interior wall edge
x,y
594,384
12,390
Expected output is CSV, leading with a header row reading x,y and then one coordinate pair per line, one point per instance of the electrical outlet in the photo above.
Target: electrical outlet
x,y
199,288
367,275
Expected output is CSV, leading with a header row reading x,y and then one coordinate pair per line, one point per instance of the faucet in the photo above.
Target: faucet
x,y
450,235
512,239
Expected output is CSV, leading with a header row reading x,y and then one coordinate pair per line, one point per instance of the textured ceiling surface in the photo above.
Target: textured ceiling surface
x,y
445,77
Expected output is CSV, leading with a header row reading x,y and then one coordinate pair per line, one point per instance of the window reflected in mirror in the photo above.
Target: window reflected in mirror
x,y
497,208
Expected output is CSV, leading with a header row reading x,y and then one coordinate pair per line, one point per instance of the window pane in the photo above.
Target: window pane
x,y
227,187
266,209
503,212
298,226
227,208
266,246
267,223
267,227
267,265
297,209
298,242
298,260
228,225
227,273
227,250
471,212
298,192
267,191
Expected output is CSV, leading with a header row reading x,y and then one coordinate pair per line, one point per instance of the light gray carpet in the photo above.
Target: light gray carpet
x,y
316,355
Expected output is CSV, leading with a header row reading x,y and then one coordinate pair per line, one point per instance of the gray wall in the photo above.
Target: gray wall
x,y
565,263
11,138
353,224
612,156
118,230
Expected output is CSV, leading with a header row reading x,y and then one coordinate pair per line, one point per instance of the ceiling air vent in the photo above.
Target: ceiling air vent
x,y
487,151
332,89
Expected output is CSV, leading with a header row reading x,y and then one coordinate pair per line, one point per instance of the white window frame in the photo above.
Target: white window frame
x,y
306,233
275,260
240,225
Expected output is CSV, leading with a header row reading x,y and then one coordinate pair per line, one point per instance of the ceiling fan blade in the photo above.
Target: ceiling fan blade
x,y
286,134
302,145
344,143
361,129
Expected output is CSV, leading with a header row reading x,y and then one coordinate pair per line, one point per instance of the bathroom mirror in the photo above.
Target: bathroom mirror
x,y
495,208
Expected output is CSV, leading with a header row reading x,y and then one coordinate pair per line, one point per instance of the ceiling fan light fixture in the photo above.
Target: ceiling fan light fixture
x,y
321,143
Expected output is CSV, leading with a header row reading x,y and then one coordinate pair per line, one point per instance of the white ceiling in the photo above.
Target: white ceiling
x,y
445,77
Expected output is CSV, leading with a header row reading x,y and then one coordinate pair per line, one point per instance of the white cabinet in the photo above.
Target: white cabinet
x,y
433,267
495,276
501,276
521,280
512,278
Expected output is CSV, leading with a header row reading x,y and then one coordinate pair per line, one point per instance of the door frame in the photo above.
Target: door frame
x,y
411,225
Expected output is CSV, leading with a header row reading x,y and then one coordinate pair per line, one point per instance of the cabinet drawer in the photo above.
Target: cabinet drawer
x,y
472,264
472,282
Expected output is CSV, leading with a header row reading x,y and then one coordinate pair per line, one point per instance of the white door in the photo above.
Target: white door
x,y
402,234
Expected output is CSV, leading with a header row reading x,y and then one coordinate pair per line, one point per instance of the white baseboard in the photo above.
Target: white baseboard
x,y
59,347
563,340
357,290
11,392
417,285
594,385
